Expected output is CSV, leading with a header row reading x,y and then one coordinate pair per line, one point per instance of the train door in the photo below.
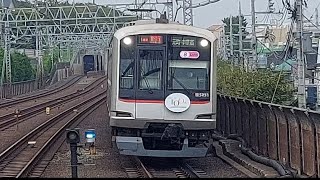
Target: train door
x,y
150,83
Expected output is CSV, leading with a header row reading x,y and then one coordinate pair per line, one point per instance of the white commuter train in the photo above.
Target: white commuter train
x,y
162,90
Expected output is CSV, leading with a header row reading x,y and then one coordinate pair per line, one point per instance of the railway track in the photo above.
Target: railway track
x,y
10,119
39,95
164,168
21,157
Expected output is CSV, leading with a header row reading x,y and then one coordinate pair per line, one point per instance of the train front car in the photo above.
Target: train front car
x,y
163,98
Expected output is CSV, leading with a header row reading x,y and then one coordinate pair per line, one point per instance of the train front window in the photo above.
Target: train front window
x,y
127,66
126,70
188,74
150,69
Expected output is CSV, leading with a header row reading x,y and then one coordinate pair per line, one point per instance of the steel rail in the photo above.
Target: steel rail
x,y
143,167
12,150
9,120
180,168
24,99
39,155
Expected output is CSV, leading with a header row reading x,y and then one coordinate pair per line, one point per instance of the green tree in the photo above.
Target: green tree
x,y
256,85
21,67
48,60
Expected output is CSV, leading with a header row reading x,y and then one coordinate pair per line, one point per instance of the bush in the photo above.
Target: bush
x,y
256,85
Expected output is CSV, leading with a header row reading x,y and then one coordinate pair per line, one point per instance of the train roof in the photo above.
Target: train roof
x,y
150,27
146,21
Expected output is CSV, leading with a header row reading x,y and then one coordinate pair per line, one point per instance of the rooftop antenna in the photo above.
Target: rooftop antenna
x,y
163,18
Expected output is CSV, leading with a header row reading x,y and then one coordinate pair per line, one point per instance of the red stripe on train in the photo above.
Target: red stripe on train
x,y
156,101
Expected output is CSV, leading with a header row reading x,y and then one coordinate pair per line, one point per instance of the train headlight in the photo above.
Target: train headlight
x,y
204,43
127,40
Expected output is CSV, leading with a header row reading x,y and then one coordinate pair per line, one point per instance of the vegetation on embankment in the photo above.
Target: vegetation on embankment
x,y
262,85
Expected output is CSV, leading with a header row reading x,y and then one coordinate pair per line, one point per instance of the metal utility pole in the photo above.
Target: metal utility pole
x,y
170,10
6,68
254,36
39,75
187,12
231,40
39,58
300,56
223,47
317,17
240,37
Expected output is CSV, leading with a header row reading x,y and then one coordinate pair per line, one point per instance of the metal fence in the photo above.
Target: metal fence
x,y
287,134
19,88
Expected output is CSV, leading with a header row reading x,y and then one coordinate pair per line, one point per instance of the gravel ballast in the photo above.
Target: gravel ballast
x,y
109,163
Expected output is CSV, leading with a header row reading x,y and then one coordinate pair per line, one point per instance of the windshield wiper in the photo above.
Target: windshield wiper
x,y
147,81
183,86
147,84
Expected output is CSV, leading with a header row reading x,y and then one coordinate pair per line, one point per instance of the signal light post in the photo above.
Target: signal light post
x,y
73,138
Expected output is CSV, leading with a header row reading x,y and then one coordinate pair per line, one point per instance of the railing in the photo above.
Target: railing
x,y
287,134
19,88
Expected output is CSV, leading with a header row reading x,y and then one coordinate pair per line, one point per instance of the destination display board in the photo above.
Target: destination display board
x,y
183,41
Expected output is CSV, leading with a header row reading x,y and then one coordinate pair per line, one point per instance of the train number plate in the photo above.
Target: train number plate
x,y
201,94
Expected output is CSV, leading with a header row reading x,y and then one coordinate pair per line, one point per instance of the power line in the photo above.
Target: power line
x,y
291,64
311,22
204,3
316,8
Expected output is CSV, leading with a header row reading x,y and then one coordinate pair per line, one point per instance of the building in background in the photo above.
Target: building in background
x,y
219,32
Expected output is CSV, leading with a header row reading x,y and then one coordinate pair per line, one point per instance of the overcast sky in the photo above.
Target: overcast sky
x,y
214,13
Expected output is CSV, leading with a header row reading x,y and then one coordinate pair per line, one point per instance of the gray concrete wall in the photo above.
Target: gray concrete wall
x,y
78,69
63,73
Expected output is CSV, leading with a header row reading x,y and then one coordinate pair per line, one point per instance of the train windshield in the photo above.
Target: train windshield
x,y
191,75
154,66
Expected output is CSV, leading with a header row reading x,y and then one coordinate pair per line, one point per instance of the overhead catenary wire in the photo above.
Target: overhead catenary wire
x,y
315,8
311,22
279,77
292,66
285,50
281,71
287,45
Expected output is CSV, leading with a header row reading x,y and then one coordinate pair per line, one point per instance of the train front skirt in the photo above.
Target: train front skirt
x,y
134,146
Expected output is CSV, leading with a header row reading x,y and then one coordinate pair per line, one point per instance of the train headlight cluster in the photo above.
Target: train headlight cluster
x,y
204,43
127,40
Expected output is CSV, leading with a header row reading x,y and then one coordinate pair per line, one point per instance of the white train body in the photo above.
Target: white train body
x,y
162,90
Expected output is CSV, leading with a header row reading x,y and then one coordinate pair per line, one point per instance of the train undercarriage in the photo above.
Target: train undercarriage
x,y
162,140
